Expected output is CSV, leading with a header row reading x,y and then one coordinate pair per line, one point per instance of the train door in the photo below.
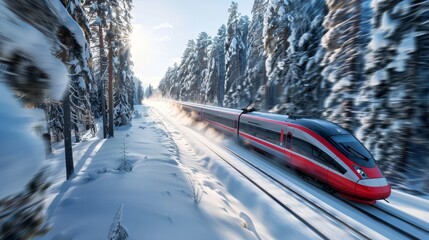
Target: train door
x,y
287,133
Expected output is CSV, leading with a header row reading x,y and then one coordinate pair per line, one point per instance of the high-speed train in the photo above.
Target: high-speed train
x,y
317,148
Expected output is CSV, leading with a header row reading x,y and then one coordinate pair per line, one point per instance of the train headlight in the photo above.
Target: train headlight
x,y
361,172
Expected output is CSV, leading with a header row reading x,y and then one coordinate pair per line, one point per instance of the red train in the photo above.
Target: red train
x,y
317,148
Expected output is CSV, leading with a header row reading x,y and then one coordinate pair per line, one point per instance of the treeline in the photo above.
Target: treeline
x,y
361,64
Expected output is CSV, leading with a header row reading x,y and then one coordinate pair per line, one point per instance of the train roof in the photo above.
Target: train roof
x,y
278,117
322,127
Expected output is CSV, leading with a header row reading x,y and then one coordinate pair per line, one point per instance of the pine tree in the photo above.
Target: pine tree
x,y
219,64
37,75
168,85
123,85
186,73
342,60
301,81
253,86
211,78
200,69
149,91
81,74
98,23
235,55
139,93
275,32
394,96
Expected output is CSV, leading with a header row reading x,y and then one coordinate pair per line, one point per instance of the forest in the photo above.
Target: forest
x,y
361,64
46,47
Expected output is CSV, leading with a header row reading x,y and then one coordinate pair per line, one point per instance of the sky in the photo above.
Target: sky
x,y
162,28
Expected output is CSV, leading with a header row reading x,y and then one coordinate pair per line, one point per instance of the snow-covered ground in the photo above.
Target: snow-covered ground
x,y
179,189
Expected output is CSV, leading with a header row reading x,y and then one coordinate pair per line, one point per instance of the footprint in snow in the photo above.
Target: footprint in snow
x,y
248,223
209,185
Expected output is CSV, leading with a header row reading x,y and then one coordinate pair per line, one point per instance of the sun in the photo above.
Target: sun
x,y
139,46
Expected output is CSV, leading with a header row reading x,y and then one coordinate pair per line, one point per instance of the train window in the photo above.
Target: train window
x,y
288,140
353,149
316,151
309,150
268,135
337,167
244,127
221,120
302,147
262,133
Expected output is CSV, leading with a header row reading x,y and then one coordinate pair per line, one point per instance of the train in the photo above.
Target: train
x,y
316,148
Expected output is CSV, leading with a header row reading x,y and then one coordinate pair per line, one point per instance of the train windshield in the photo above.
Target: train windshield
x,y
354,150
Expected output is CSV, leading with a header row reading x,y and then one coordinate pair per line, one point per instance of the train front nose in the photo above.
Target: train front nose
x,y
373,188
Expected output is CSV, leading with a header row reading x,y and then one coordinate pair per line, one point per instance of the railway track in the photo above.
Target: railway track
x,y
393,221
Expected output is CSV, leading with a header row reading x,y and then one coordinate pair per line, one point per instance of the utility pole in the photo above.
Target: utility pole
x,y
111,134
103,97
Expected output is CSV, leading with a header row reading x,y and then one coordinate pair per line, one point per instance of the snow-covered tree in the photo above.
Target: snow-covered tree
x,y
118,36
149,91
235,55
275,32
215,87
394,98
200,68
254,83
169,84
138,92
342,61
211,78
186,73
81,75
31,34
117,230
300,77
97,12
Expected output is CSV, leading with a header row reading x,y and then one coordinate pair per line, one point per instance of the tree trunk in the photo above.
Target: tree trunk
x,y
103,100
111,134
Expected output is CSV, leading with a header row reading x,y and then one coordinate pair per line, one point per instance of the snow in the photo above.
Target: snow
x,y
304,38
378,77
402,8
413,208
388,26
378,40
405,48
342,83
22,151
18,36
156,195
82,84
68,22
281,11
179,189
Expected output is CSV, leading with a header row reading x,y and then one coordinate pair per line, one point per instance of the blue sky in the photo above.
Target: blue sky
x,y
163,27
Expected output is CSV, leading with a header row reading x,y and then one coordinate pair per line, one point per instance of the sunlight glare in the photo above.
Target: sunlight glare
x,y
139,46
